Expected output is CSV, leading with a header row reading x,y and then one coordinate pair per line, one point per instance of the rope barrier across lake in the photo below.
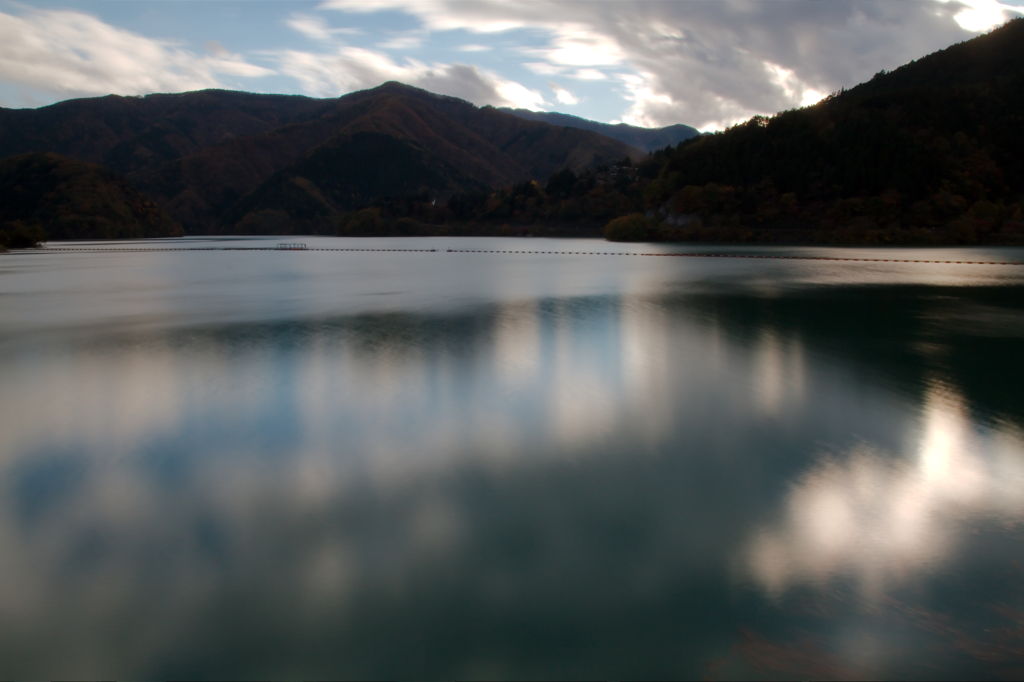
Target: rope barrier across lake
x,y
86,249
291,248
738,255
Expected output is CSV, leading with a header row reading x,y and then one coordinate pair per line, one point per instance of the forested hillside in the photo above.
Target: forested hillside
x,y
227,162
930,153
398,141
47,195
130,133
933,149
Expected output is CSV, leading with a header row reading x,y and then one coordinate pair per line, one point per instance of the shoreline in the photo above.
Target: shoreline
x,y
701,244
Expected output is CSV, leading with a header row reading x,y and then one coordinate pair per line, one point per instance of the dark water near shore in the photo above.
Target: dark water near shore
x,y
304,465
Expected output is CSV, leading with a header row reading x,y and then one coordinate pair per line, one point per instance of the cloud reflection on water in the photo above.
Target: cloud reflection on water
x,y
383,392
883,520
778,373
582,467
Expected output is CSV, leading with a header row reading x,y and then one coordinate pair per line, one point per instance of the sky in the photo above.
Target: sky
x,y
705,63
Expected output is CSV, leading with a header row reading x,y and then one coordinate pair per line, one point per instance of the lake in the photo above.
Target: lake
x,y
450,465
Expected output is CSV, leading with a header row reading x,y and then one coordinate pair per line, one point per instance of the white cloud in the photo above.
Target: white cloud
x,y
352,68
589,75
311,26
517,95
477,17
404,42
315,27
885,520
577,45
645,99
704,63
543,68
984,15
562,95
811,96
707,64
794,89
74,54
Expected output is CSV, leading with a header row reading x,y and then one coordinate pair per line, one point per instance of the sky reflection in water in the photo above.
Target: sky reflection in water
x,y
474,466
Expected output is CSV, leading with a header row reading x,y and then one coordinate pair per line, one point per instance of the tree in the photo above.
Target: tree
x,y
17,235
561,183
628,228
364,223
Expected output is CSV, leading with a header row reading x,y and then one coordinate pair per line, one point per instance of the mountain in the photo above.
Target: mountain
x,y
128,133
930,153
76,200
647,139
931,150
220,161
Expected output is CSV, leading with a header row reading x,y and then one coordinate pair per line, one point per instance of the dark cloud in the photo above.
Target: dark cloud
x,y
351,68
707,64
711,63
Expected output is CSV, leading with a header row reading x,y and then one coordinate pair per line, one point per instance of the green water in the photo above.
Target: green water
x,y
308,465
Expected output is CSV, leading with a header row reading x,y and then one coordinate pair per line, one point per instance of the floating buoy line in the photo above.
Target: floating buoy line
x,y
291,248
740,255
85,249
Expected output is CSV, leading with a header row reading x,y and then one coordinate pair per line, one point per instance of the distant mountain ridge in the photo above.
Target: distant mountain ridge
x,y
929,153
212,158
126,133
647,139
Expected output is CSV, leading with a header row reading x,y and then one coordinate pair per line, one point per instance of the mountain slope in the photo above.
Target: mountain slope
x,y
934,143
539,147
76,200
341,175
199,154
493,148
129,133
647,139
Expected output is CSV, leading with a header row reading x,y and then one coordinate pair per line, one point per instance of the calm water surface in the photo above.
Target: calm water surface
x,y
296,465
